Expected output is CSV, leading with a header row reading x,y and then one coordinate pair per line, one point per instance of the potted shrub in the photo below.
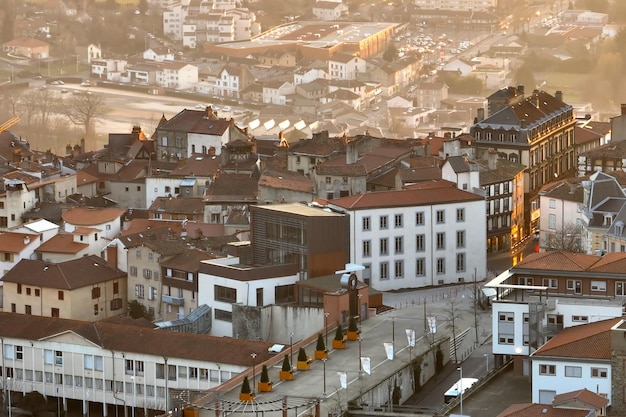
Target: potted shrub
x,y
320,348
353,329
304,361
246,393
339,342
265,385
286,373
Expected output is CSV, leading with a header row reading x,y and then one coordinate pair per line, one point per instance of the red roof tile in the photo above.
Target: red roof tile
x,y
583,395
89,216
61,243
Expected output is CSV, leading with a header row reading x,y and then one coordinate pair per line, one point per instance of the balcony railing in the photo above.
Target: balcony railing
x,y
177,301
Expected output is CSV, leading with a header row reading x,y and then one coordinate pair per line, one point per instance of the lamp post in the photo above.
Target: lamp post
x,y
487,362
134,395
360,365
291,348
326,314
460,388
9,393
253,373
324,363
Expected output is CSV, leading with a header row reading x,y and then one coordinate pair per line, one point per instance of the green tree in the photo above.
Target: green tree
x,y
137,310
245,386
320,343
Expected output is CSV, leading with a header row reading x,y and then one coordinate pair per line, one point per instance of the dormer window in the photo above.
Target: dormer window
x,y
619,228
607,220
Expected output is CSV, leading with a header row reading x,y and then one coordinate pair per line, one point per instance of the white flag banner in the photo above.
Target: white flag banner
x,y
432,324
343,379
388,350
366,364
410,335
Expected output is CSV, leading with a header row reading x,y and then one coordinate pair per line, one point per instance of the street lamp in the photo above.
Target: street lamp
x,y
360,365
324,363
326,314
9,392
291,348
460,387
134,395
487,361
253,373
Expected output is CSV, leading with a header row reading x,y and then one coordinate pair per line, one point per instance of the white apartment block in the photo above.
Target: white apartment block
x,y
417,238
115,365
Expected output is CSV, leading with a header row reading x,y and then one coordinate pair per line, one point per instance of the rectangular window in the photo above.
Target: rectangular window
x,y
550,282
460,262
583,319
367,248
147,273
399,244
574,285
95,293
132,271
552,221
599,372
552,203
384,246
399,269
383,222
506,316
420,267
223,315
547,370
139,291
366,223
598,286
441,240
441,216
225,294
460,239
384,271
60,295
460,215
441,265
419,218
574,371
420,243
397,220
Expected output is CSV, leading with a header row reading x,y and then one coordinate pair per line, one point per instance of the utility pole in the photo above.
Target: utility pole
x,y
476,307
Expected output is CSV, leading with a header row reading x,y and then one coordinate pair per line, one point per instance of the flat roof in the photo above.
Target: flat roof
x,y
301,209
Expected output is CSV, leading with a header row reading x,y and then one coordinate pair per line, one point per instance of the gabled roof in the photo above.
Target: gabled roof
x,y
61,243
195,121
540,410
15,242
70,275
582,395
557,261
585,341
188,260
137,339
446,192
286,180
192,205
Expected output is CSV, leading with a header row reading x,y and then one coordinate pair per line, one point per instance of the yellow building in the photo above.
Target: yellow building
x,y
86,288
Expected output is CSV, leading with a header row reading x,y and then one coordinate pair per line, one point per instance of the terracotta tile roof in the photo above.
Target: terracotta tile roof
x,y
21,176
83,178
611,150
585,341
582,135
188,260
556,260
611,263
26,43
137,339
61,243
89,216
195,121
142,225
582,395
541,410
286,180
77,273
233,187
134,169
193,205
13,242
446,193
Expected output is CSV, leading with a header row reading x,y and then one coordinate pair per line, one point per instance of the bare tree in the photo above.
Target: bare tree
x,y
82,109
453,313
9,99
567,238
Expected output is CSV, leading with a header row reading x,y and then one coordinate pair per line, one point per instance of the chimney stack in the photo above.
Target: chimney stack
x,y
558,95
492,159
520,90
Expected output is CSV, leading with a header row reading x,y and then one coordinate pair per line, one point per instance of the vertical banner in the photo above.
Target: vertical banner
x,y
388,350
432,324
343,379
410,335
366,364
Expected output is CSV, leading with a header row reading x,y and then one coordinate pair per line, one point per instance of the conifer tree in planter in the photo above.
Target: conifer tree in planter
x,y
353,329
320,348
265,385
304,361
286,373
339,342
246,393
